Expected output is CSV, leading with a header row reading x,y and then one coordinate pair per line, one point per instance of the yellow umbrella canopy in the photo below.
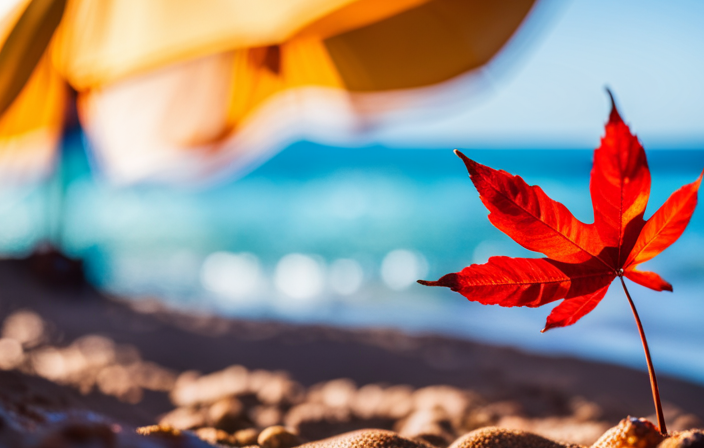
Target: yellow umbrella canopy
x,y
32,94
176,89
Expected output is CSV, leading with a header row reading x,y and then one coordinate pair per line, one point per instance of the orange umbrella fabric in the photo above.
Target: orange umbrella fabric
x,y
183,89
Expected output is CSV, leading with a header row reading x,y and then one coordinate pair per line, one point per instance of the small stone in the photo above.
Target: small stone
x,y
159,430
490,415
245,437
631,432
265,416
277,437
429,425
214,435
479,418
397,402
279,389
693,438
257,379
493,437
307,413
172,438
334,394
453,401
564,429
227,414
367,438
368,400
184,418
191,389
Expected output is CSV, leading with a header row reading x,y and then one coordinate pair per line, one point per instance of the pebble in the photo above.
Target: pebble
x,y
493,437
257,379
277,437
315,412
280,390
214,435
631,432
368,438
265,416
489,415
568,429
368,401
191,389
397,402
148,437
430,425
227,414
246,437
184,418
693,438
338,393
159,430
450,399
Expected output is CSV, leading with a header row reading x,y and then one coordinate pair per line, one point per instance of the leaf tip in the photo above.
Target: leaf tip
x,y
448,281
614,117
469,163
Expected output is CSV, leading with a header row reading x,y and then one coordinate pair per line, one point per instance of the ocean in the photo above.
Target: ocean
x,y
338,236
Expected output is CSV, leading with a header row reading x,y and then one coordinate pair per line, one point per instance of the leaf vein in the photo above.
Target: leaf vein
x,y
540,282
574,243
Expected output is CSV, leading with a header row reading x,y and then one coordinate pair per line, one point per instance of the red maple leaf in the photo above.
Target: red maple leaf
x,y
582,259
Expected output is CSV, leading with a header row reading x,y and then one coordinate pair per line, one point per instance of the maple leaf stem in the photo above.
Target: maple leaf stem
x,y
651,370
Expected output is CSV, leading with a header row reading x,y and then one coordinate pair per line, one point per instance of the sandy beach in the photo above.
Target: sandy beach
x,y
139,363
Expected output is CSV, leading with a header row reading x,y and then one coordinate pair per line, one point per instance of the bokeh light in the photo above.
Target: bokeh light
x,y
401,268
299,277
232,276
346,276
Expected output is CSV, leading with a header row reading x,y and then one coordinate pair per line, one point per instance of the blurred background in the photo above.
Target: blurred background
x,y
298,165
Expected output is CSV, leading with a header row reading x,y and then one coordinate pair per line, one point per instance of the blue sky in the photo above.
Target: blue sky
x,y
546,90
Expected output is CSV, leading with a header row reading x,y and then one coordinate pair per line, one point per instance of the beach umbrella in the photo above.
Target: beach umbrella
x,y
180,90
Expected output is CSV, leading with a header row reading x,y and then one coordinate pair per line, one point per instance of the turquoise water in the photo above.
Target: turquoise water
x,y
338,236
